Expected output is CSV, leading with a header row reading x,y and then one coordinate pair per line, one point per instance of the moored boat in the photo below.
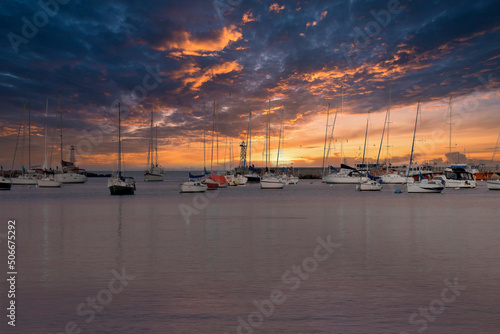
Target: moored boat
x,y
422,185
493,184
118,184
5,184
271,182
193,187
48,181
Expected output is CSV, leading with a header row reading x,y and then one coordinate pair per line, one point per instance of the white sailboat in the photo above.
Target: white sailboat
x,y
269,180
27,178
422,185
68,168
390,176
367,183
118,184
154,171
48,180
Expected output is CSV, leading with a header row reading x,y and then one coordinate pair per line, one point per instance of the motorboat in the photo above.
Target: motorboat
x,y
458,178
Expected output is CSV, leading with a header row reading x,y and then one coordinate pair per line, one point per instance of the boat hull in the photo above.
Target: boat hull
x,y
70,178
252,178
369,186
293,180
395,179
48,183
149,177
336,179
5,184
493,185
271,184
460,184
121,190
24,181
121,186
211,184
419,187
190,187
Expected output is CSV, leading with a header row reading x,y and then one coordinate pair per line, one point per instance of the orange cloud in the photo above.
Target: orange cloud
x,y
323,14
193,76
190,44
276,8
248,17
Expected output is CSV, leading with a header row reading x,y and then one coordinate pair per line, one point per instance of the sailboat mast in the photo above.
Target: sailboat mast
x,y
387,162
382,138
279,141
45,145
156,145
341,151
326,136
250,138
331,136
150,139
61,135
495,149
204,136
29,136
217,125
19,134
413,143
213,134
119,142
449,107
364,149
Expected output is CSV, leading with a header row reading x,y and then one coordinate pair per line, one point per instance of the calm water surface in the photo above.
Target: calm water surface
x,y
392,255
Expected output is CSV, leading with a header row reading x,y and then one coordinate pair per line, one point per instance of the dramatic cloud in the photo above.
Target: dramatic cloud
x,y
175,57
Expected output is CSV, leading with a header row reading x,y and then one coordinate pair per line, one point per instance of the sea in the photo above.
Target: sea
x,y
310,258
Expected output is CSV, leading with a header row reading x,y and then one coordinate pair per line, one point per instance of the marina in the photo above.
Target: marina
x,y
250,167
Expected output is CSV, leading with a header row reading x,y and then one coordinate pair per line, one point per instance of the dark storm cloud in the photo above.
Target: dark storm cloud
x,y
97,52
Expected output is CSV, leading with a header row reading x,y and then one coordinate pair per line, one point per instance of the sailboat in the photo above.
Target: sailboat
x,y
220,179
154,171
211,184
269,180
26,178
252,175
367,183
118,184
48,180
68,169
389,177
422,185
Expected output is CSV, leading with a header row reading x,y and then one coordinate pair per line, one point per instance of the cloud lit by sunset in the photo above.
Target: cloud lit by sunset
x,y
175,58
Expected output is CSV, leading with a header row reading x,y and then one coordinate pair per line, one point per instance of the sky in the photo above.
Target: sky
x,y
175,58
